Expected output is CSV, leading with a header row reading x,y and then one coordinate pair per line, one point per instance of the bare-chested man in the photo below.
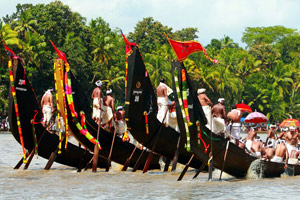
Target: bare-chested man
x,y
108,109
47,106
162,101
206,105
219,117
119,119
235,116
97,102
292,139
250,138
281,153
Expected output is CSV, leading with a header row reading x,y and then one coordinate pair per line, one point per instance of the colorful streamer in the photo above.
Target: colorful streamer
x,y
184,97
58,107
68,90
13,91
188,143
146,122
125,135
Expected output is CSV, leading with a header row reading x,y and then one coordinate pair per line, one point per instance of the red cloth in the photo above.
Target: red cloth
x,y
61,54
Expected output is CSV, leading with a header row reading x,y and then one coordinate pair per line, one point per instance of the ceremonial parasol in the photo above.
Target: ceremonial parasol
x,y
290,122
243,107
256,117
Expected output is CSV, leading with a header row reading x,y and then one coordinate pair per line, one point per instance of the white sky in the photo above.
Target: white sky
x,y
213,18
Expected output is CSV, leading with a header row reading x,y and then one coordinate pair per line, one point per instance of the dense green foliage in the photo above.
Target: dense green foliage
x,y
265,74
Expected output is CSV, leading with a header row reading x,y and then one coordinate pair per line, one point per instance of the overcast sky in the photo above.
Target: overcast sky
x,y
213,18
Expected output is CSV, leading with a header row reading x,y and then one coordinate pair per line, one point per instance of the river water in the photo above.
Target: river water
x,y
63,182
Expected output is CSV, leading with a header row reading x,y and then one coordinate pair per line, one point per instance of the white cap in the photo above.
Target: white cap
x,y
221,99
272,126
109,91
119,107
292,128
201,90
98,83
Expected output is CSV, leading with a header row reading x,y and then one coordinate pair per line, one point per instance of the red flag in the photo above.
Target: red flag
x,y
184,49
60,54
127,45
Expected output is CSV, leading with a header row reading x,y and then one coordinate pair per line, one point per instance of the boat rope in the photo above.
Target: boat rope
x,y
58,107
13,91
33,122
146,122
68,89
200,137
209,137
187,145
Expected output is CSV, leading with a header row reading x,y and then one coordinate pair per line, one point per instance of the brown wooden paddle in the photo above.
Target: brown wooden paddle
x,y
150,156
225,155
125,166
138,162
200,170
111,149
53,156
96,150
185,169
175,159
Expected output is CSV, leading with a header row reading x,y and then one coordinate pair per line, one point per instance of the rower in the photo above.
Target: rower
x,y
206,105
162,101
47,106
219,117
108,109
97,102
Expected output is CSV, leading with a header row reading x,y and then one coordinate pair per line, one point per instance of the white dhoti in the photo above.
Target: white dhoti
x,y
290,148
207,111
47,113
293,161
162,109
218,125
277,159
173,121
236,130
107,114
120,126
248,144
96,108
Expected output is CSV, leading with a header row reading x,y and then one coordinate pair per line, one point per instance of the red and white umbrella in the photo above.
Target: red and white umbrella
x,y
256,117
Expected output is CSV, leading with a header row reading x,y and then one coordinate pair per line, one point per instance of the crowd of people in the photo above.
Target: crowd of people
x,y
281,148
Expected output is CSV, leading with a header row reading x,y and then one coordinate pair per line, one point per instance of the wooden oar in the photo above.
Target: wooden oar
x,y
200,170
167,164
33,150
210,167
53,156
185,169
150,156
110,152
138,162
18,165
125,166
175,158
96,150
225,155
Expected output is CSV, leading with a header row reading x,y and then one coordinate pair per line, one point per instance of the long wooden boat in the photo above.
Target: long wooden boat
x,y
29,109
140,97
121,150
237,162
